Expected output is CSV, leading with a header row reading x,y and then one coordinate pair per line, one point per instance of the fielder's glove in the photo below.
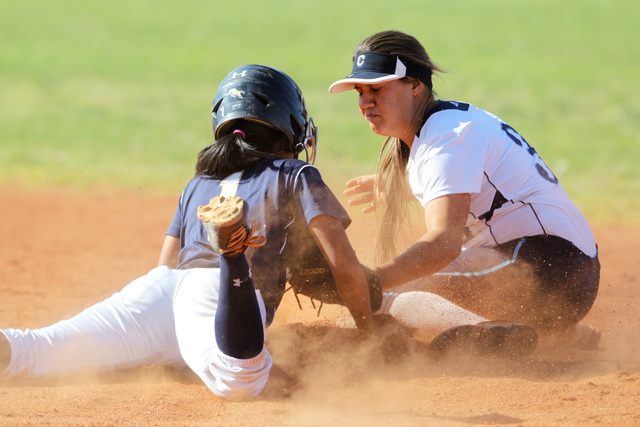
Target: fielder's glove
x,y
312,277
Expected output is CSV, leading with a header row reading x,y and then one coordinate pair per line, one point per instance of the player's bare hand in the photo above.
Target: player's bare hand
x,y
363,186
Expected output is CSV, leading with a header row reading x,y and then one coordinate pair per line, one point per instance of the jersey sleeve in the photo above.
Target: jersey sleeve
x,y
446,163
176,227
316,198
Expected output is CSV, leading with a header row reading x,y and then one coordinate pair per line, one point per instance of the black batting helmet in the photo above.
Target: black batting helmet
x,y
269,96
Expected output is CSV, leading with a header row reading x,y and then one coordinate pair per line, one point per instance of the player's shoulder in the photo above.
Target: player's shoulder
x,y
281,172
290,164
199,181
198,186
292,167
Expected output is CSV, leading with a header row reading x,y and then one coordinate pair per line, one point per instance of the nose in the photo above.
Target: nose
x,y
365,100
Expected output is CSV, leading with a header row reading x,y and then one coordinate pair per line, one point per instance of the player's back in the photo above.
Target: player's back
x,y
282,195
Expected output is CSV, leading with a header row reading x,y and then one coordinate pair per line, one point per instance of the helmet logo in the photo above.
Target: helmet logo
x,y
243,73
236,93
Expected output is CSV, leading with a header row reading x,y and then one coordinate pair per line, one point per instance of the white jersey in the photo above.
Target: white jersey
x,y
462,149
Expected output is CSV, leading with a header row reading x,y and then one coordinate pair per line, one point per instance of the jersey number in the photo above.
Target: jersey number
x,y
542,168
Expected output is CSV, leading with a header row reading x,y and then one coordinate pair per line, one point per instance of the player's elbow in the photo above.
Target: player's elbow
x,y
448,246
429,257
451,252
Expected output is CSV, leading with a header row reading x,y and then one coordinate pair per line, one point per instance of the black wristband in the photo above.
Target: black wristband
x,y
375,291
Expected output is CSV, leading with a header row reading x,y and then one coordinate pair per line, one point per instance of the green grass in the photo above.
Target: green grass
x,y
119,93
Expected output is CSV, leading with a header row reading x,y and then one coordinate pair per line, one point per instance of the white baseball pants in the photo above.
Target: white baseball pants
x,y
164,317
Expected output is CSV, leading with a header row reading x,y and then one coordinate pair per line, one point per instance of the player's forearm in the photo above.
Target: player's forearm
x,y
345,268
421,259
354,291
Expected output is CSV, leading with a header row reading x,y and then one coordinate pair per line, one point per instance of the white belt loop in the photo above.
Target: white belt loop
x,y
230,184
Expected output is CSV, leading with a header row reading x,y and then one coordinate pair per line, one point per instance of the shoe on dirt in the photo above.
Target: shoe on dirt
x,y
491,338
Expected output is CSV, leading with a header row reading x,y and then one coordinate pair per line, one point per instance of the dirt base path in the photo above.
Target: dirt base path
x,y
62,252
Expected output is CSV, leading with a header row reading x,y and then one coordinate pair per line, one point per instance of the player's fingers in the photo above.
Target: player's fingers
x,y
355,190
367,198
353,182
370,208
366,182
367,187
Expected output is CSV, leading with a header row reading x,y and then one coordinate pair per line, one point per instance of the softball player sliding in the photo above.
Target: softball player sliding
x,y
210,312
503,238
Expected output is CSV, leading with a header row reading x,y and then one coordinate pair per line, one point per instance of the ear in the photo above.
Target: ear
x,y
417,87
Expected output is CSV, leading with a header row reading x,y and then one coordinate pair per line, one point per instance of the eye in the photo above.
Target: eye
x,y
378,87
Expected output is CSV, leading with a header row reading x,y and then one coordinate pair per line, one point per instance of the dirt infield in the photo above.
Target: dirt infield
x,y
63,251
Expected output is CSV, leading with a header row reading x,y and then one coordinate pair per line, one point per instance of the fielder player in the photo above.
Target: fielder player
x,y
503,238
250,193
